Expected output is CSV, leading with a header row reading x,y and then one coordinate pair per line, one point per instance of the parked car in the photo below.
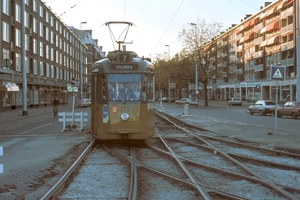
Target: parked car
x,y
290,108
263,107
235,102
83,103
166,99
183,101
89,102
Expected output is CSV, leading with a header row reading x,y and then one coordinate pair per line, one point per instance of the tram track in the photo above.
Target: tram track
x,y
184,163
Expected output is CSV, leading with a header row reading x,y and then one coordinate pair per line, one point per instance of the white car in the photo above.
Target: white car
x,y
234,101
263,107
183,101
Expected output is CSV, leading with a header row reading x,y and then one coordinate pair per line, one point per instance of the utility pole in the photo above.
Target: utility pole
x,y
81,60
169,90
24,69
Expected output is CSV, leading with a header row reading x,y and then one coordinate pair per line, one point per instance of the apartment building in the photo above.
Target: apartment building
x,y
55,54
251,48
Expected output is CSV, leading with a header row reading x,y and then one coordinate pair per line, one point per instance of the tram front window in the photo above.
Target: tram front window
x,y
124,87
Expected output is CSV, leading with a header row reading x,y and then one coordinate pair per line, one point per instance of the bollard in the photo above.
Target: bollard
x,y
185,109
1,154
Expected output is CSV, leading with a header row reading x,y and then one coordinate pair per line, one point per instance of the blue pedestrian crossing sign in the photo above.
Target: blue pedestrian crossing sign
x,y
278,73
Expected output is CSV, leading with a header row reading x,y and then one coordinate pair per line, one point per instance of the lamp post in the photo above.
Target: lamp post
x,y
169,90
80,57
196,70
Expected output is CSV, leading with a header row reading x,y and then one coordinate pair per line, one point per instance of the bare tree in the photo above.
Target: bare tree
x,y
198,41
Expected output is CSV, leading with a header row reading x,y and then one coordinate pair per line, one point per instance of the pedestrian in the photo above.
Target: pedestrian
x,y
55,111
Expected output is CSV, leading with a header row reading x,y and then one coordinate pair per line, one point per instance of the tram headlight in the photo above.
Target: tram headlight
x,y
124,116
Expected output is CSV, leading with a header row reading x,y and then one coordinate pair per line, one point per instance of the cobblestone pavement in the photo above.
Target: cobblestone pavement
x,y
32,157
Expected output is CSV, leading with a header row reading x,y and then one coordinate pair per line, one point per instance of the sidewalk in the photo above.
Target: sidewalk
x,y
17,114
242,131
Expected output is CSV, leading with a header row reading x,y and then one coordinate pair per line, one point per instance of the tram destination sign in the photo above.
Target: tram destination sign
x,y
124,67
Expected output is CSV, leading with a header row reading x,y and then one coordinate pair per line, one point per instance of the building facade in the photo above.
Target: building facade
x,y
248,51
52,55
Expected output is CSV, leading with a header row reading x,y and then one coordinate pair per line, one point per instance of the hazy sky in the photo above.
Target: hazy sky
x,y
158,22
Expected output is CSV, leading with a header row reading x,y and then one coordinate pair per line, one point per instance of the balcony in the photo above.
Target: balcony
x,y
287,62
258,68
258,27
258,54
286,13
287,45
287,29
258,40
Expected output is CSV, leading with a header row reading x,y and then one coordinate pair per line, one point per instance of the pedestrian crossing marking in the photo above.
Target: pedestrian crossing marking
x,y
277,74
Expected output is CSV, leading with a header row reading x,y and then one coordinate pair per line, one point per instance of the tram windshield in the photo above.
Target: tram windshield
x,y
124,87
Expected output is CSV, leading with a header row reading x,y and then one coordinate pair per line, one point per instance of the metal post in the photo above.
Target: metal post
x,y
169,90
297,23
24,79
196,67
80,57
276,107
196,81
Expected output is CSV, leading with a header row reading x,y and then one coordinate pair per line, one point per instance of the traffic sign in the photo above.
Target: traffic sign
x,y
6,63
278,73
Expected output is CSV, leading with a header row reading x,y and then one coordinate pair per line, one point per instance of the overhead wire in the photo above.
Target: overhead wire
x,y
70,8
167,27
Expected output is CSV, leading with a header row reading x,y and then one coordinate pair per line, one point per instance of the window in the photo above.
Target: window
x,y
41,68
18,62
26,19
18,12
27,64
34,5
5,7
41,11
41,49
47,51
41,29
34,46
47,70
52,71
47,33
27,42
34,25
18,38
35,67
5,32
47,16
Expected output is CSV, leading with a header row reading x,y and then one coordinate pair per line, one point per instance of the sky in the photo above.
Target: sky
x,y
157,23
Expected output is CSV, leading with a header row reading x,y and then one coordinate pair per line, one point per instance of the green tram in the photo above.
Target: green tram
x,y
123,100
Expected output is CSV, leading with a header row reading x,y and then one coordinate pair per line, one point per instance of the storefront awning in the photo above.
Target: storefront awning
x,y
9,87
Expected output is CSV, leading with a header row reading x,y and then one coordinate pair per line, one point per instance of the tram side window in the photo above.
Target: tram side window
x,y
148,82
100,86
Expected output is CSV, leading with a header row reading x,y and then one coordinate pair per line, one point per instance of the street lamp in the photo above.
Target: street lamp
x,y
196,70
80,57
169,90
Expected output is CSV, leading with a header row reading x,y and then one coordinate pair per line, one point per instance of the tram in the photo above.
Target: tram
x,y
123,100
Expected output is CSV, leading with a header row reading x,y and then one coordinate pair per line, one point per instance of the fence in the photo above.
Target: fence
x,y
73,120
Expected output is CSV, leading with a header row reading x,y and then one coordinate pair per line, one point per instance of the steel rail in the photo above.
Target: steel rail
x,y
265,180
64,178
204,194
